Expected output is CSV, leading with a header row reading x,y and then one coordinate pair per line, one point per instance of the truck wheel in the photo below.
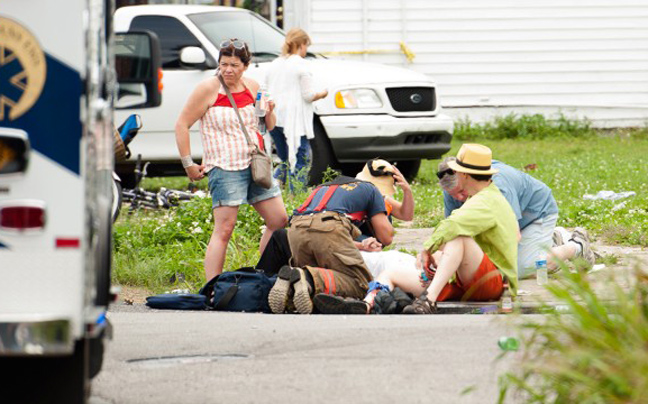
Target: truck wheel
x,y
322,154
409,168
96,354
47,379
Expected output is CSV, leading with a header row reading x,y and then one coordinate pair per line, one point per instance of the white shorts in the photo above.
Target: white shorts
x,y
536,239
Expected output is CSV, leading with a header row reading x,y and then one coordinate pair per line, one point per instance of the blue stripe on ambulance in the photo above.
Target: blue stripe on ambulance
x,y
53,123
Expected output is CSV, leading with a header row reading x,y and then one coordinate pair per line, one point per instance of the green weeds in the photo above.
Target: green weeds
x,y
598,353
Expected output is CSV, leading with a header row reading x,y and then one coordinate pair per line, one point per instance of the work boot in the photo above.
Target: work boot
x,y
279,294
301,298
421,306
581,237
331,304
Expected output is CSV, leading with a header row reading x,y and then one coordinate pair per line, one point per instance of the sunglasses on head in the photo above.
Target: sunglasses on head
x,y
236,43
447,171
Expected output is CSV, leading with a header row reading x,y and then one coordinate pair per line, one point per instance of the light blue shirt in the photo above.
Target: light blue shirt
x,y
530,198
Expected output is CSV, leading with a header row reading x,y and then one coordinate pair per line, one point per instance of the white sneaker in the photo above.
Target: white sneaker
x,y
580,236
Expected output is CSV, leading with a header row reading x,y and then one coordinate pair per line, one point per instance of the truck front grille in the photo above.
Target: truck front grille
x,y
408,99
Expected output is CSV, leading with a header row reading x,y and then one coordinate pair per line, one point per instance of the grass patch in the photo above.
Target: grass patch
x,y
596,354
529,127
162,250
571,168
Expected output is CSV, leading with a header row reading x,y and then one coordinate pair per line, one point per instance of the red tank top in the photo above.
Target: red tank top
x,y
242,99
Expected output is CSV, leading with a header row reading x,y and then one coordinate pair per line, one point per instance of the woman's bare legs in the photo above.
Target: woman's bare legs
x,y
461,256
274,214
224,222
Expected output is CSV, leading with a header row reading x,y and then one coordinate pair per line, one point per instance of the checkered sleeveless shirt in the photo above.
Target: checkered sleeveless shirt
x,y
224,143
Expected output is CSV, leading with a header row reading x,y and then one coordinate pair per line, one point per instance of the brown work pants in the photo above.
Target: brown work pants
x,y
325,240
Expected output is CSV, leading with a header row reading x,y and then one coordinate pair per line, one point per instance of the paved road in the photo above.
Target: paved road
x,y
256,358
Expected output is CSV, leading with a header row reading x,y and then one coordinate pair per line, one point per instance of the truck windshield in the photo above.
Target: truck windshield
x,y
263,39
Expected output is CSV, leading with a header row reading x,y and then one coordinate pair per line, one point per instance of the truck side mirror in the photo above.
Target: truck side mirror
x,y
139,70
192,55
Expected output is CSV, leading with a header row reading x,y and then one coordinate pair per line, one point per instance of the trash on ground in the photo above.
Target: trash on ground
x,y
508,343
522,292
609,195
596,268
619,206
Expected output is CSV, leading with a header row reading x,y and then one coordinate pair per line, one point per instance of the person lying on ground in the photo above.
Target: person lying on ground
x,y
385,177
478,243
536,211
321,240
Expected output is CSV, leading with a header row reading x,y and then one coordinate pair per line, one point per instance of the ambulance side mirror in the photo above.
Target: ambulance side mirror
x,y
14,152
139,70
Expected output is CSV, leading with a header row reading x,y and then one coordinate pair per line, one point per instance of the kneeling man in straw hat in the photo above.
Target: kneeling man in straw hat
x,y
478,240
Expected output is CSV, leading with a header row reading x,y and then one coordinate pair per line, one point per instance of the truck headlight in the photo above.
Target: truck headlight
x,y
357,98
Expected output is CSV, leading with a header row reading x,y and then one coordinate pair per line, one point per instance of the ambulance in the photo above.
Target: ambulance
x,y
60,65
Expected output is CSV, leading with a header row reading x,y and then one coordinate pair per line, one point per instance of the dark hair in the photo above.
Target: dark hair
x,y
243,54
481,177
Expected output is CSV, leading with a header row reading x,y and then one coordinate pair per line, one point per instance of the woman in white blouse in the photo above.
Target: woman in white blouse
x,y
290,83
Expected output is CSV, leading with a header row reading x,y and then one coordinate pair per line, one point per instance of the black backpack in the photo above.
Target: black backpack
x,y
245,289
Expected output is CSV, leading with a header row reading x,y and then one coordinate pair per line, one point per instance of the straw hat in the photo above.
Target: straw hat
x,y
380,173
473,159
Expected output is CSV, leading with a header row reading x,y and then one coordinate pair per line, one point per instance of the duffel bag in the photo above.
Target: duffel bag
x,y
245,289
172,301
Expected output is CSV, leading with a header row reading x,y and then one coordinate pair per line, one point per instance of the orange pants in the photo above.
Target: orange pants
x,y
487,284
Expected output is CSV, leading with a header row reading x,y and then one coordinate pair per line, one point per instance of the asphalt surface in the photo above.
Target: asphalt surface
x,y
215,357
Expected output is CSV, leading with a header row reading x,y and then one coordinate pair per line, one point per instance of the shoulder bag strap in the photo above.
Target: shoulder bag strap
x,y
231,100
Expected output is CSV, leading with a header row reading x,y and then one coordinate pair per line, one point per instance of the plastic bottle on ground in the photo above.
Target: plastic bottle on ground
x,y
507,301
542,276
508,343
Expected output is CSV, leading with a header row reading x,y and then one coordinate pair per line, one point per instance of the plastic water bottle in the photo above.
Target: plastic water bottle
x,y
507,301
542,277
508,343
260,104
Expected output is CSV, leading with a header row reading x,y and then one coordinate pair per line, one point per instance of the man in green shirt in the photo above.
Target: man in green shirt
x,y
478,242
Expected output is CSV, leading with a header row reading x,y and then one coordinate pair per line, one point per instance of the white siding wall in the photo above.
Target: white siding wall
x,y
581,57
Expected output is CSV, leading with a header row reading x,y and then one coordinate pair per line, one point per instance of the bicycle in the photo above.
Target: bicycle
x,y
163,199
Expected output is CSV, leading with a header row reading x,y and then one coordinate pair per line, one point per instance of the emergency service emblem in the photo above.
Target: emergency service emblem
x,y
22,70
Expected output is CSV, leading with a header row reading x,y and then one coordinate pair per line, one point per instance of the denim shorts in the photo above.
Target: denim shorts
x,y
234,188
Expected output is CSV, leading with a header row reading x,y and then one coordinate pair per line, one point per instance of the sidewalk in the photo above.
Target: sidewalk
x,y
529,292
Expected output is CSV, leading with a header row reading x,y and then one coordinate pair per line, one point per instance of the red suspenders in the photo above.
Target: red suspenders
x,y
355,216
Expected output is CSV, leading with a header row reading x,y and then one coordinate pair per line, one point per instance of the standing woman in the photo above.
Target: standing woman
x,y
290,83
226,153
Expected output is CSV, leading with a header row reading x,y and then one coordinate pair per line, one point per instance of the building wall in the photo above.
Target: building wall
x,y
585,58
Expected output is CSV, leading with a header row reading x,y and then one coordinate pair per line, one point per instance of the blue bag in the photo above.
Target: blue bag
x,y
172,301
245,289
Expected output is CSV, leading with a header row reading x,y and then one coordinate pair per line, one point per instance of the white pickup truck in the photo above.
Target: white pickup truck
x,y
396,116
